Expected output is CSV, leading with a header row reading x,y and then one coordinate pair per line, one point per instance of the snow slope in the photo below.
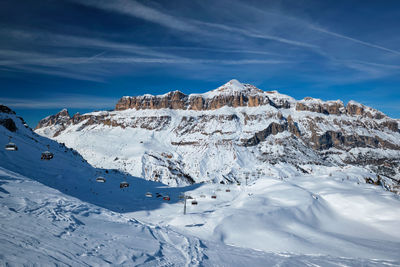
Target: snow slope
x,y
321,214
53,213
42,226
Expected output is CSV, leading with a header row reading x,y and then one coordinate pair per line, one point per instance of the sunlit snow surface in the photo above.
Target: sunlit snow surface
x,y
54,213
40,225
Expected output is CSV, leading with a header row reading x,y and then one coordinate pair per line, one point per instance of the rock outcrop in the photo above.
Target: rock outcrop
x,y
60,118
5,109
337,108
319,106
232,94
354,108
9,124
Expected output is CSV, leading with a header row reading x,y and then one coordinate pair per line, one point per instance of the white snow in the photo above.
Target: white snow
x,y
54,213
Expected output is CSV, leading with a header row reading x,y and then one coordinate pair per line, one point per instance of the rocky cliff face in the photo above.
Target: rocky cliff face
x,y
8,123
226,134
55,123
232,94
337,108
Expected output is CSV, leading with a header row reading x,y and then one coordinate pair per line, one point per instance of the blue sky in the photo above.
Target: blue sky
x,y
85,54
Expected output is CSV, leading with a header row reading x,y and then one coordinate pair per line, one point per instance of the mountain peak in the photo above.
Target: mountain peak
x,y
233,87
58,119
63,112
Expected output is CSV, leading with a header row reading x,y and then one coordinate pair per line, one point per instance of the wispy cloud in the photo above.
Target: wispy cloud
x,y
153,15
97,67
188,61
354,40
256,34
218,50
60,101
138,10
66,73
64,40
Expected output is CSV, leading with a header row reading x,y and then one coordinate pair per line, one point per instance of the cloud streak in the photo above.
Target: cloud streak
x,y
97,67
61,101
354,40
255,34
137,10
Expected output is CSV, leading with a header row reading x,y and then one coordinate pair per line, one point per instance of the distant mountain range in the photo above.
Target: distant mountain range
x,y
232,134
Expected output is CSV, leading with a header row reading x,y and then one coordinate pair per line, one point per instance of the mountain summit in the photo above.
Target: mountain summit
x,y
233,87
233,133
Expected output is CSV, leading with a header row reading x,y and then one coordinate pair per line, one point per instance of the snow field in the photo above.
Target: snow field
x,y
301,215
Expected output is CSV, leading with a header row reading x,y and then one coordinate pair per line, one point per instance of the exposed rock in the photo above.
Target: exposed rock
x,y
5,109
60,118
9,124
273,128
232,94
178,100
337,108
339,140
391,125
317,105
354,108
293,127
163,168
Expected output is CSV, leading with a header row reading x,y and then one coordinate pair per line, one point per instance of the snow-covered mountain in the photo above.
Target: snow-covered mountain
x,y
55,213
233,133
